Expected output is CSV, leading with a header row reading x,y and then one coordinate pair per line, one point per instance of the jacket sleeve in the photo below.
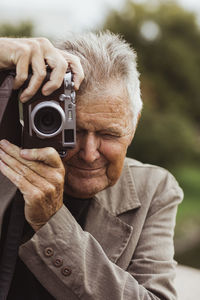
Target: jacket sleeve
x,y
71,264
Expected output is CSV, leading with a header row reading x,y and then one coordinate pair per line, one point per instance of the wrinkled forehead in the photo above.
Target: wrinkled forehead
x,y
111,107
111,92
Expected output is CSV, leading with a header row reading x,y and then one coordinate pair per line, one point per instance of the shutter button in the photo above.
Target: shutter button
x,y
58,262
66,271
48,252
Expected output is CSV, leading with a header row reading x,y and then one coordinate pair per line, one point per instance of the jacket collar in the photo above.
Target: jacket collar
x,y
122,196
103,219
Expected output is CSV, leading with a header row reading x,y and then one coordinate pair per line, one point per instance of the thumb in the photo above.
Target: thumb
x,y
47,155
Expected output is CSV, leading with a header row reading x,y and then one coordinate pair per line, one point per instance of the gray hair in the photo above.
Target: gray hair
x,y
106,56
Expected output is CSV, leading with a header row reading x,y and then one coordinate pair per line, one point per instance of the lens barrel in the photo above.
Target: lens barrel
x,y
47,119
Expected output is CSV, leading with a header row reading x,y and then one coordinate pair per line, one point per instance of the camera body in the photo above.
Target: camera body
x,y
50,121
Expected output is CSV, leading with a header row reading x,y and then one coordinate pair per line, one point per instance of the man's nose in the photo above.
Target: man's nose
x,y
89,147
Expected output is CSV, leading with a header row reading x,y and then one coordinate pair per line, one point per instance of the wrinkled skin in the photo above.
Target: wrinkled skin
x,y
37,52
104,131
38,173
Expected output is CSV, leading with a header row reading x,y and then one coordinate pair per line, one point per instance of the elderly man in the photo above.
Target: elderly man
x,y
99,225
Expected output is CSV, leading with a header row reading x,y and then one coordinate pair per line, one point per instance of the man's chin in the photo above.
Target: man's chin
x,y
85,187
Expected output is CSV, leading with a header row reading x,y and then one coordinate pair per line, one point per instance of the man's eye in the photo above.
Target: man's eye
x,y
79,131
110,135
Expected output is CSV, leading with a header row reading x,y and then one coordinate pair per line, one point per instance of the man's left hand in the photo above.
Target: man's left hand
x,y
39,175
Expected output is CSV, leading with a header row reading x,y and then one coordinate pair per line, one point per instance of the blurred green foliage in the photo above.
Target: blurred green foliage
x,y
167,41
189,177
164,138
188,221
23,29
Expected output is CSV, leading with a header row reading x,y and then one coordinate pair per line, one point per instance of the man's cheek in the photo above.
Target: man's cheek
x,y
115,168
113,173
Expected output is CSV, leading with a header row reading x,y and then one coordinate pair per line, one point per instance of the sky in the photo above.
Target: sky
x,y
52,18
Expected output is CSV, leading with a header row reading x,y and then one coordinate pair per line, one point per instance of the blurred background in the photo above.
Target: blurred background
x,y
166,37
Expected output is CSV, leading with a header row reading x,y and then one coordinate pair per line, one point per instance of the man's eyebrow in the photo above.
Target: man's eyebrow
x,y
111,130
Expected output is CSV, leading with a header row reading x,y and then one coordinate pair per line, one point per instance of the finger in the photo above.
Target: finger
x,y
59,69
19,181
21,71
14,151
23,170
48,160
39,74
47,155
39,205
76,67
37,166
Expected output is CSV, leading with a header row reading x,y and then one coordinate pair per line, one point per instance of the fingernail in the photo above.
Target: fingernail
x,y
44,89
24,152
1,163
2,152
4,142
23,98
46,92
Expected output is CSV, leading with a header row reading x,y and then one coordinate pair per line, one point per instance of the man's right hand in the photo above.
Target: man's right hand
x,y
37,52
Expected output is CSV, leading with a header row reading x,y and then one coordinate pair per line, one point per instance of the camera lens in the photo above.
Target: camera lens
x,y
47,120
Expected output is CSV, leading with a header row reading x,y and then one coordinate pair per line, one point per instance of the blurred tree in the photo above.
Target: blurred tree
x,y
167,41
164,139
23,29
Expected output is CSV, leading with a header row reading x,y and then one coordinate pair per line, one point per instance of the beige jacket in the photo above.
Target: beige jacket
x,y
126,250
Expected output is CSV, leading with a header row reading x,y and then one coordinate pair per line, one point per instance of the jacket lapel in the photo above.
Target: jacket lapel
x,y
112,234
103,219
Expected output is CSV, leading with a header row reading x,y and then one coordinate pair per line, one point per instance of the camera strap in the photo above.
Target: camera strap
x,y
5,93
10,128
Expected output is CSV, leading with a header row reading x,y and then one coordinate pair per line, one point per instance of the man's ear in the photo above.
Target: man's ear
x,y
138,118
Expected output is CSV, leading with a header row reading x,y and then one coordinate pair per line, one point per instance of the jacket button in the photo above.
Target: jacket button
x,y
66,271
58,262
48,252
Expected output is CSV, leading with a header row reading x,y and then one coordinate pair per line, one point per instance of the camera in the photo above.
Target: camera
x,y
50,121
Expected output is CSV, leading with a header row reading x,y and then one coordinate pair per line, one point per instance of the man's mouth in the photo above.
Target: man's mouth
x,y
84,171
87,169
